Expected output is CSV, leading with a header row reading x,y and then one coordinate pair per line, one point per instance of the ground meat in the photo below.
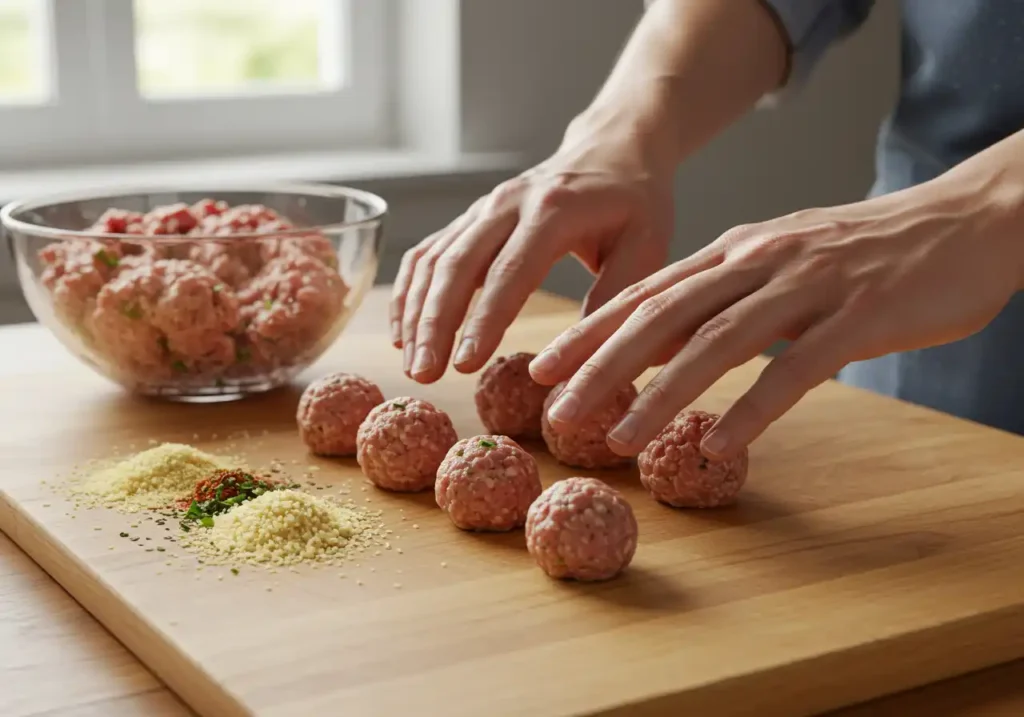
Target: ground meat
x,y
291,306
168,316
508,400
585,445
331,410
74,272
487,483
172,308
581,528
402,442
675,472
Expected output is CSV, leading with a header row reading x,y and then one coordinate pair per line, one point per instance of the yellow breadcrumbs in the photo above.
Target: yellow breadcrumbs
x,y
153,478
285,527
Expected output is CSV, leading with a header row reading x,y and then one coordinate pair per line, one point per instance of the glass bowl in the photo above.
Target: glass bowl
x,y
198,294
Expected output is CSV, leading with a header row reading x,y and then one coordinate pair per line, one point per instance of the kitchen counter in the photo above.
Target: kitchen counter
x,y
56,660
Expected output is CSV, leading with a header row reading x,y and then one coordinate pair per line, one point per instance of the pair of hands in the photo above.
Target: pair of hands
x,y
913,269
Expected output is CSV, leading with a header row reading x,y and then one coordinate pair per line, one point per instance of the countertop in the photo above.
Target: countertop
x,y
55,660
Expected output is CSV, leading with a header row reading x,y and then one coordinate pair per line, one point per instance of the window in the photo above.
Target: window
x,y
110,80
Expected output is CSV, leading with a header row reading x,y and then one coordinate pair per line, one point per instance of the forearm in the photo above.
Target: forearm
x,y
991,185
691,68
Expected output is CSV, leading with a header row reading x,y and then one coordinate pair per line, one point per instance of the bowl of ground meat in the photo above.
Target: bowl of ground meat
x,y
201,295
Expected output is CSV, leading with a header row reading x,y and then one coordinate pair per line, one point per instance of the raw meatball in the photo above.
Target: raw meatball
x,y
402,442
675,472
487,483
581,528
585,445
331,410
508,400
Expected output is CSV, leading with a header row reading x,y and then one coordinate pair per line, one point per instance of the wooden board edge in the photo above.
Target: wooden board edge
x,y
147,643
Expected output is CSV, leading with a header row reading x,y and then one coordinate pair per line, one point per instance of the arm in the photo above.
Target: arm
x,y
695,66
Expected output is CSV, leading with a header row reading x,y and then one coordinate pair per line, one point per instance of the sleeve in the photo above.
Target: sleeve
x,y
810,28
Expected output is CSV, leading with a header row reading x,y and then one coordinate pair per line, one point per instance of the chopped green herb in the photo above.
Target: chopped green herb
x,y
488,444
132,311
159,549
123,535
399,406
268,303
206,521
217,288
460,453
180,367
107,258
234,571
243,354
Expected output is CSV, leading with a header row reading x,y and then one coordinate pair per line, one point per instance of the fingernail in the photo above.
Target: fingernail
x,y
424,361
545,362
407,357
396,332
716,443
626,429
565,408
466,351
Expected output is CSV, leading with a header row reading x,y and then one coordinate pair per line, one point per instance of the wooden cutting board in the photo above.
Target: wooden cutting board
x,y
877,547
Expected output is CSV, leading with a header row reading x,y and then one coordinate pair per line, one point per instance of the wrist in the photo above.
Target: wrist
x,y
643,121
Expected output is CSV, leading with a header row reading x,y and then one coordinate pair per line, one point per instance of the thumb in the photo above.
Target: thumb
x,y
632,260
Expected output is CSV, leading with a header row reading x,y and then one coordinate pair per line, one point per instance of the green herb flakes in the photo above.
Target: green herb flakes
x,y
488,444
105,257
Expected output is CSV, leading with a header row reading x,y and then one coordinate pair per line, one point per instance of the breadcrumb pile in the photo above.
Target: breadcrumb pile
x,y
286,527
154,478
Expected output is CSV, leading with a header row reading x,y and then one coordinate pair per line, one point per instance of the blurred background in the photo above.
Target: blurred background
x,y
427,102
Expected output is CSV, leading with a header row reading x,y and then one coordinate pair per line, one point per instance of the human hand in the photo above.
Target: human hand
x,y
910,270
598,198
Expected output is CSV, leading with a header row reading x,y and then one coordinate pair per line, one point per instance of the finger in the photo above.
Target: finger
x,y
566,354
407,268
814,358
656,323
633,259
415,297
720,343
517,271
459,271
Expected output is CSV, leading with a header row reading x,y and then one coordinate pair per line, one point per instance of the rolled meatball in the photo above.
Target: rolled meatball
x,y
331,410
582,529
676,473
487,483
508,400
585,444
401,444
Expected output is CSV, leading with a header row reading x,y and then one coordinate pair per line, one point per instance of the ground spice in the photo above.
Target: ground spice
x,y
220,493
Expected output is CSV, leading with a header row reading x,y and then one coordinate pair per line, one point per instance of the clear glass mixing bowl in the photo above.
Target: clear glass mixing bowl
x,y
238,305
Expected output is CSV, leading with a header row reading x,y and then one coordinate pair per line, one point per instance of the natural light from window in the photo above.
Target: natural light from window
x,y
24,68
189,48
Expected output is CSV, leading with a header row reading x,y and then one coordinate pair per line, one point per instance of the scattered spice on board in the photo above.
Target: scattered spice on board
x,y
286,527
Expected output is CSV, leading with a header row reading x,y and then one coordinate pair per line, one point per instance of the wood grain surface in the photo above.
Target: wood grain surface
x,y
876,549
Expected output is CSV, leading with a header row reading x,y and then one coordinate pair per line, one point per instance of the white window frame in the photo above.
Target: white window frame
x,y
97,114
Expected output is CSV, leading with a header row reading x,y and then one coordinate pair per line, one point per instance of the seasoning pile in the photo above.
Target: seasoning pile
x,y
285,527
228,514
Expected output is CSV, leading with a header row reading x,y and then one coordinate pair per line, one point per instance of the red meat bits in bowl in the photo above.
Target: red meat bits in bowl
x,y
196,295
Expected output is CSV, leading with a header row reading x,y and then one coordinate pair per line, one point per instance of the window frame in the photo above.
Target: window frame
x,y
97,114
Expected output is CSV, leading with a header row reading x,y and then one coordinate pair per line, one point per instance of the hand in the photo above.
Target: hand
x,y
915,269
597,198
